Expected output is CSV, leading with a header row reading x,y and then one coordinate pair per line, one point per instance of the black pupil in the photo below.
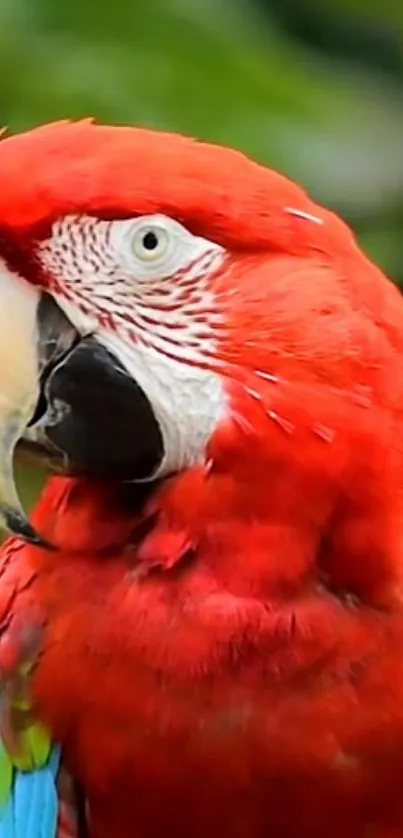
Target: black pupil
x,y
150,241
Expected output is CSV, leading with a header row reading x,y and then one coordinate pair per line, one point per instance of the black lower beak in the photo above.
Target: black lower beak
x,y
97,421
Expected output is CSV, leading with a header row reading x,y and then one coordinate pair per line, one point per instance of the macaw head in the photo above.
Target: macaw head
x,y
166,303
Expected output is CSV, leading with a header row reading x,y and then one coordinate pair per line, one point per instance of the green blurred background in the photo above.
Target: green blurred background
x,y
313,88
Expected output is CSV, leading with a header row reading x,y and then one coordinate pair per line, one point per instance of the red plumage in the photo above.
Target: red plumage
x,y
224,655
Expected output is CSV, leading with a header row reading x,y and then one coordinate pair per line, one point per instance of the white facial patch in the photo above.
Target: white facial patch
x,y
143,287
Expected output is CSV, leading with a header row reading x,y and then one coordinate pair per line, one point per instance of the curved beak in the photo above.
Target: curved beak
x,y
66,400
33,333
18,388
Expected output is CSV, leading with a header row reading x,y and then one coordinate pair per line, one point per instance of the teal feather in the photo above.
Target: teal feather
x,y
32,807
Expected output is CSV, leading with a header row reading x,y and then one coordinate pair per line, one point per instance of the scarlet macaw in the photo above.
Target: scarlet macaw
x,y
206,615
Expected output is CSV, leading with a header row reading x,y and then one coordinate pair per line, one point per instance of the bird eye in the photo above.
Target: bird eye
x,y
150,243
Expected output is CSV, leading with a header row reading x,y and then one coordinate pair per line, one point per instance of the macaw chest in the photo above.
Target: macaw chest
x,y
193,757
171,718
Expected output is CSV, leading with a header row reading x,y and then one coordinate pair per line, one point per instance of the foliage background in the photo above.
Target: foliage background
x,y
313,88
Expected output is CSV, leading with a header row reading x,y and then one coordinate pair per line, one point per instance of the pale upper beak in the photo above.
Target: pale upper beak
x,y
26,345
19,386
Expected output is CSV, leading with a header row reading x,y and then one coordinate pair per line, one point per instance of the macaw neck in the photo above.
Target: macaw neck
x,y
252,542
273,517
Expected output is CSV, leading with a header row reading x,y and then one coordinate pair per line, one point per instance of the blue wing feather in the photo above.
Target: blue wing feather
x,y
32,809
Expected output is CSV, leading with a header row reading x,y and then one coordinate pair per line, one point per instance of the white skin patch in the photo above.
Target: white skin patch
x,y
143,287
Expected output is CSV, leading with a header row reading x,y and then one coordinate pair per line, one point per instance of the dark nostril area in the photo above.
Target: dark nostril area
x,y
57,337
40,410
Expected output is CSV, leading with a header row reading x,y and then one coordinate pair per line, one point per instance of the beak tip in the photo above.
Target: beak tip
x,y
18,524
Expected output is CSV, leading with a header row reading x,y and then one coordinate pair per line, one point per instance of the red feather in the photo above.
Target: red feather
x,y
210,696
